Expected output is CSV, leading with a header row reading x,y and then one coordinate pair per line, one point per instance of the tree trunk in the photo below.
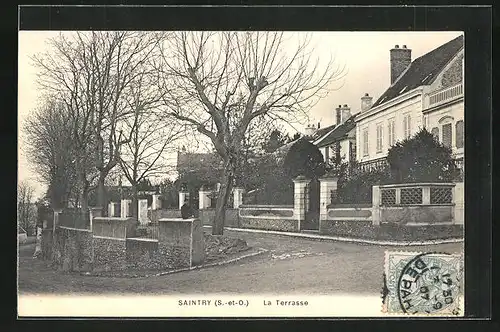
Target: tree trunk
x,y
133,208
220,208
101,194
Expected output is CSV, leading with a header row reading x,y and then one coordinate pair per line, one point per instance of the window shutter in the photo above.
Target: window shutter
x,y
459,132
447,135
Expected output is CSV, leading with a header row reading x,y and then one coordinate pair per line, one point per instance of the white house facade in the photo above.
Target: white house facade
x,y
427,92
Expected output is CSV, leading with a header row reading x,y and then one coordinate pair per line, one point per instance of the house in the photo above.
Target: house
x,y
337,142
188,162
426,92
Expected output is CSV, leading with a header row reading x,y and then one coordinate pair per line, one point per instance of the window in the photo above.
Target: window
x,y
407,126
379,138
435,133
327,154
447,135
365,142
390,131
459,134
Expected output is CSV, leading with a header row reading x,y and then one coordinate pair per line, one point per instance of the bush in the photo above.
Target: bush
x,y
304,158
421,158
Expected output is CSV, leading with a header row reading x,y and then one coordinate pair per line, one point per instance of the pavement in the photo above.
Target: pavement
x,y
291,265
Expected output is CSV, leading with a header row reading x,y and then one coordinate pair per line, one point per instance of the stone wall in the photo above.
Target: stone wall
x,y
155,215
182,240
109,254
144,254
72,249
389,232
416,214
112,227
274,224
207,216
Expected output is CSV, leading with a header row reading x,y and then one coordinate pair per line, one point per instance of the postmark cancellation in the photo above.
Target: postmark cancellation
x,y
422,283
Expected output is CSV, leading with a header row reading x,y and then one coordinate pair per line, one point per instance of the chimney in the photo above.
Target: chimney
x,y
310,130
346,113
342,114
338,115
400,60
366,102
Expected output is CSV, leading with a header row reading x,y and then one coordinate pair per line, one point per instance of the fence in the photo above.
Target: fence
x,y
415,204
416,194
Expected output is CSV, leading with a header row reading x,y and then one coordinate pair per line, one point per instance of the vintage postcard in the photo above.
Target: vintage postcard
x,y
241,174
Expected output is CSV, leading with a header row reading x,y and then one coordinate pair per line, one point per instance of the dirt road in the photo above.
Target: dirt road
x,y
291,266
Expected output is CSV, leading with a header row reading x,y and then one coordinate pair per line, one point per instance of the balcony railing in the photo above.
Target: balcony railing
x,y
445,95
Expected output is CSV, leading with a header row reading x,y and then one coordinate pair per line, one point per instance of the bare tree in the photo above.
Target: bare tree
x,y
151,139
90,72
49,149
207,76
26,212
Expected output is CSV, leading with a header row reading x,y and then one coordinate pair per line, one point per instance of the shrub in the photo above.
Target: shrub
x,y
304,158
421,158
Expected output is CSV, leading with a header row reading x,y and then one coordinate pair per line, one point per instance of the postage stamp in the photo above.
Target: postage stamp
x,y
422,283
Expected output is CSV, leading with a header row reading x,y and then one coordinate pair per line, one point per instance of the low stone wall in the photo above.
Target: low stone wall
x,y
144,254
350,212
389,232
417,214
72,249
182,240
155,215
270,223
207,216
109,254
112,227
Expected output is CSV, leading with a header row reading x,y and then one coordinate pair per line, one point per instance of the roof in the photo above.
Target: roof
x,y
338,133
423,70
196,161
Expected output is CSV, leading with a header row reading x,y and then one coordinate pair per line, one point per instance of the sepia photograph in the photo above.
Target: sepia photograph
x,y
241,173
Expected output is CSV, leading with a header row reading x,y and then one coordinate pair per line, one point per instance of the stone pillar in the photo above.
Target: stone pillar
x,y
426,195
238,197
376,205
156,204
142,211
458,199
183,197
94,211
204,198
125,208
182,241
299,194
326,186
111,209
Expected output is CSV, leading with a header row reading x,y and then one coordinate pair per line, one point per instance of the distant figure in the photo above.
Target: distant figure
x,y
186,211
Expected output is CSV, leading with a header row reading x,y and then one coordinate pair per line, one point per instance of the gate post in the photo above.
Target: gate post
x,y
183,197
299,196
238,197
328,184
203,198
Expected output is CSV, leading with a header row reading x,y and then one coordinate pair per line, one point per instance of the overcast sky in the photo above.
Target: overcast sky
x,y
364,54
